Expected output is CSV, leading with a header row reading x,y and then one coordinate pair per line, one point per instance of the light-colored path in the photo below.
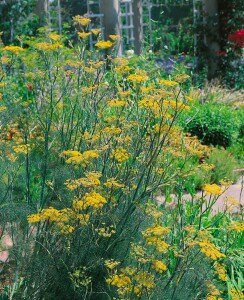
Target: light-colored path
x,y
235,191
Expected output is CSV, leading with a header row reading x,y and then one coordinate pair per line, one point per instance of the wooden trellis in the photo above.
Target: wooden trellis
x,y
94,13
126,13
54,16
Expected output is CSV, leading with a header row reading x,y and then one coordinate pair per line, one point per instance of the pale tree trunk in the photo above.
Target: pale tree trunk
x,y
211,8
41,10
110,9
138,26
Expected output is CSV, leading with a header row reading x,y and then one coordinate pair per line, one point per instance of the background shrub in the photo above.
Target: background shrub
x,y
212,124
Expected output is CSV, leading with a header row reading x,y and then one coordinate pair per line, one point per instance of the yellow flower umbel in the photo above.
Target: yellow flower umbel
x,y
168,82
13,49
114,37
111,263
120,154
81,20
236,294
22,148
96,31
220,271
91,180
92,199
210,250
155,237
104,44
48,46
116,103
237,226
137,78
122,282
76,158
112,183
159,266
213,189
83,35
213,292
54,36
145,280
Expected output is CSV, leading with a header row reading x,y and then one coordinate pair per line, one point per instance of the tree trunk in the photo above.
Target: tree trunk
x,y
110,9
138,26
211,9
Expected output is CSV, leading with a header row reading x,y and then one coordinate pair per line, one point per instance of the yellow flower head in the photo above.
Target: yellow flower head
x,y
213,189
54,36
117,103
210,250
159,266
91,199
14,49
104,44
137,78
96,31
168,82
83,35
120,154
114,37
111,263
81,20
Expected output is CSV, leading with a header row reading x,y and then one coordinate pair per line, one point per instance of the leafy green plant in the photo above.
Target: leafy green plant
x,y
212,124
224,165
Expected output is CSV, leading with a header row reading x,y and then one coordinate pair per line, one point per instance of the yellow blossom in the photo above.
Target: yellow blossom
x,y
137,78
83,218
124,93
96,31
34,218
83,35
105,231
54,36
91,199
111,263
145,279
237,226
91,179
213,189
114,37
122,69
120,280
210,250
159,244
220,271
2,108
14,49
80,158
66,229
116,103
236,294
120,154
104,44
168,82
81,20
113,183
22,148
159,266
181,77
156,230
112,130
48,46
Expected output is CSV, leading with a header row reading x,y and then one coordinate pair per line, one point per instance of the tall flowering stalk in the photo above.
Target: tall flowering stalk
x,y
99,146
